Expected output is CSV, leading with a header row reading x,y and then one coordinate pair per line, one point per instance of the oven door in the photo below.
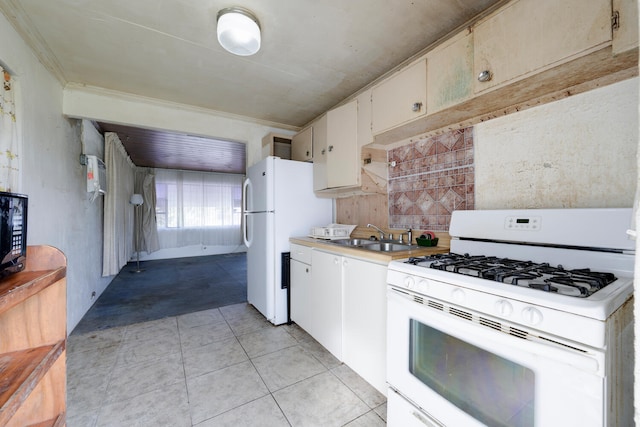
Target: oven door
x,y
459,370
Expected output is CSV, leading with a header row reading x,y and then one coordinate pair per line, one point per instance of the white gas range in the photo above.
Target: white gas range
x,y
527,322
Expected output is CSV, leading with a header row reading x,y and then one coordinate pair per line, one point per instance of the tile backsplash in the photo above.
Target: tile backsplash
x,y
431,178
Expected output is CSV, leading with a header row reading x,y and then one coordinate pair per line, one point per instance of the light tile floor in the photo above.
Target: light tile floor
x,y
221,367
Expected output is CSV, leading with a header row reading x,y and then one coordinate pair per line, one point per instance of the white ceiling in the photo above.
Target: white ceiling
x,y
314,53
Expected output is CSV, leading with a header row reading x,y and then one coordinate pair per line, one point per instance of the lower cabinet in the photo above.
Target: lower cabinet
x,y
302,306
326,296
364,320
341,302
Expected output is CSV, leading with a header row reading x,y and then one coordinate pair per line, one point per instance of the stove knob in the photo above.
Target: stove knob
x,y
423,286
458,295
532,315
504,308
408,282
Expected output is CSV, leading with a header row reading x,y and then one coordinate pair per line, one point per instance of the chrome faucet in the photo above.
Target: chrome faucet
x,y
380,231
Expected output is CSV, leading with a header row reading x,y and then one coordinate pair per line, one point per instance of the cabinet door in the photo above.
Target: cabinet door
x,y
450,73
364,119
302,145
326,326
365,320
625,37
400,98
320,153
302,305
529,35
343,167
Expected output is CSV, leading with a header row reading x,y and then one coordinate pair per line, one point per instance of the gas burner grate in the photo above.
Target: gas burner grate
x,y
541,276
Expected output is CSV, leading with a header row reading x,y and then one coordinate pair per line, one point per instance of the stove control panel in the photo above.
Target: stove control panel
x,y
416,284
488,300
531,316
523,223
503,308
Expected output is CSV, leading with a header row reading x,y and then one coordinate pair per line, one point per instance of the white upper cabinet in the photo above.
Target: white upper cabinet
x,y
302,145
335,149
320,181
450,72
400,98
625,33
342,146
364,118
527,36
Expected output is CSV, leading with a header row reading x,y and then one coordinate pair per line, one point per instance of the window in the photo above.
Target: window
x,y
206,206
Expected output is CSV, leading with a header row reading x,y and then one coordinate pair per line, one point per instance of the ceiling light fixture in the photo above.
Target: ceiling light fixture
x,y
238,31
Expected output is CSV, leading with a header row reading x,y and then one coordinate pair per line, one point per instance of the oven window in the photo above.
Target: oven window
x,y
493,390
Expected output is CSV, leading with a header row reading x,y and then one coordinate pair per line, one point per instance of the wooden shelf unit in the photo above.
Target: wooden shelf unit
x,y
33,335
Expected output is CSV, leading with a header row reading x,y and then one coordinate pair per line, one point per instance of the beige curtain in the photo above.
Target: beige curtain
x,y
9,159
146,185
118,212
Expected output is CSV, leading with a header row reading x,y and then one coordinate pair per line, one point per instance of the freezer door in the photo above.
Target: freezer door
x,y
258,187
261,263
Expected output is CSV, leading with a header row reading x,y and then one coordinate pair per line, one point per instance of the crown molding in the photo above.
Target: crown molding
x,y
21,22
101,92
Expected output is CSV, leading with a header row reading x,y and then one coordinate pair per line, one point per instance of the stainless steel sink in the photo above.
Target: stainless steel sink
x,y
373,245
387,247
353,242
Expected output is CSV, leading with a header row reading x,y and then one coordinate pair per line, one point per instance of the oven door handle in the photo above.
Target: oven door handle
x,y
473,332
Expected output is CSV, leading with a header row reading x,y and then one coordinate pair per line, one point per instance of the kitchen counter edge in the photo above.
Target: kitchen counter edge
x,y
381,257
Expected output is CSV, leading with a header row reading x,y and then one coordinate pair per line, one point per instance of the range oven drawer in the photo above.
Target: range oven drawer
x,y
402,413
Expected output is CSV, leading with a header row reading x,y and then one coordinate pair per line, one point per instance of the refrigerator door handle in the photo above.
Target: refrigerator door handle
x,y
245,231
246,187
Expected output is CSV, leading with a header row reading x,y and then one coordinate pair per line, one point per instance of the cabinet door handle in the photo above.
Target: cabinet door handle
x,y
331,148
323,151
484,76
308,154
417,106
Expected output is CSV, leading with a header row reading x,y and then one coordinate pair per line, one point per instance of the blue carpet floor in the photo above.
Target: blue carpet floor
x,y
168,288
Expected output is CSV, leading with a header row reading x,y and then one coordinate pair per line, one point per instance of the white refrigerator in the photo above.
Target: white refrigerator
x,y
278,203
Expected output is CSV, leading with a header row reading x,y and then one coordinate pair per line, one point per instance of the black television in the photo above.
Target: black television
x,y
13,232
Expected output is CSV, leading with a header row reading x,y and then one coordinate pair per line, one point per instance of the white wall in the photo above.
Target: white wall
x,y
581,151
126,109
189,251
60,213
574,153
